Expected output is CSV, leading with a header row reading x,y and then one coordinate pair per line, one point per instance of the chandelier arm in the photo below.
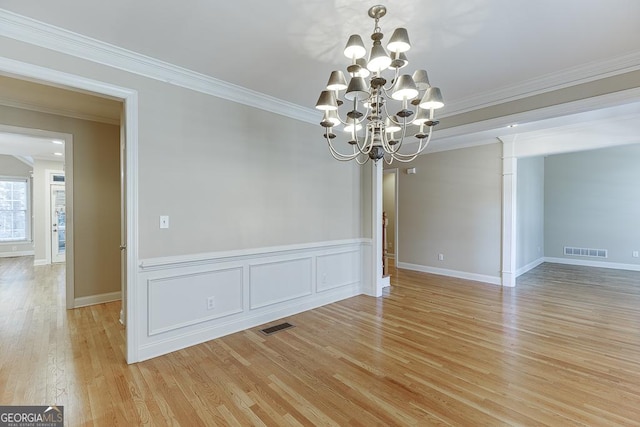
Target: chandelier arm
x,y
393,83
335,153
339,156
366,159
363,148
421,148
412,158
389,148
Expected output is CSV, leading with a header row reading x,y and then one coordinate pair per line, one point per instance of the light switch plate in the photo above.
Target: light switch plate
x,y
164,221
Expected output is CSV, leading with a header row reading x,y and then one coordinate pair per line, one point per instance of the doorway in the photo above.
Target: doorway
x,y
390,210
58,222
49,78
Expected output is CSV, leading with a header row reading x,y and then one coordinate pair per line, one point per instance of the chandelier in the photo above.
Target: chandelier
x,y
369,103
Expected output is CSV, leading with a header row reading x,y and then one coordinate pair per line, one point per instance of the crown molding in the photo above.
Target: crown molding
x,y
44,35
547,83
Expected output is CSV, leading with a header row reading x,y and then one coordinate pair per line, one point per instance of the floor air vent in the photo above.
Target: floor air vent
x,y
597,253
276,328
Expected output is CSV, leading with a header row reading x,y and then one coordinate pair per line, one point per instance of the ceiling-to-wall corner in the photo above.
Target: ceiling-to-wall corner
x,y
41,34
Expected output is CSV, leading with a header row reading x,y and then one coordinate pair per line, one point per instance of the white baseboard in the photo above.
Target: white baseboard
x,y
589,263
14,254
97,299
37,262
451,273
529,266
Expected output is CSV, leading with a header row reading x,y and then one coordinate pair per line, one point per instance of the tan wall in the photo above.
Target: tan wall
x,y
96,195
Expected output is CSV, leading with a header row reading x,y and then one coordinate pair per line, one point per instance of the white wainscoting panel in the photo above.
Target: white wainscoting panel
x,y
192,292
250,287
279,281
336,270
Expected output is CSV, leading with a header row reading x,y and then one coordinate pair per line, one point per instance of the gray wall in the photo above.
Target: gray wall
x,y
452,206
530,211
592,200
12,167
228,175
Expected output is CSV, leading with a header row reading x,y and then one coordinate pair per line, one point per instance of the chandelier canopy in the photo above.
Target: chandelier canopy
x,y
371,127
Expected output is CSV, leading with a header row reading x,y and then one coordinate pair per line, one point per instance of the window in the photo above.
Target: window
x,y
14,209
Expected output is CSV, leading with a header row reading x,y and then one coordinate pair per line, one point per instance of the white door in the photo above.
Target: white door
x,y
58,223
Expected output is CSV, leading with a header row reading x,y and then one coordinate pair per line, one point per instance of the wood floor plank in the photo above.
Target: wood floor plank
x,y
562,348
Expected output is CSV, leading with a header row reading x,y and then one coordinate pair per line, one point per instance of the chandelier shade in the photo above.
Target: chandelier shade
x,y
337,81
378,59
405,88
432,99
377,107
399,41
355,47
357,89
327,101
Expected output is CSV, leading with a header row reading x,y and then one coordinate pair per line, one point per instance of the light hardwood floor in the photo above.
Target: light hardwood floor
x,y
562,348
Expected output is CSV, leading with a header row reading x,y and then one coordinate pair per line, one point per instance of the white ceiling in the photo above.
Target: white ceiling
x,y
29,148
476,51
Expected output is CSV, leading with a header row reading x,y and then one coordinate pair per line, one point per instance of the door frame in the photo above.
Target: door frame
x,y
129,97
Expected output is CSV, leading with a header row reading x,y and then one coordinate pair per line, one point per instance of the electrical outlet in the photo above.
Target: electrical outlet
x,y
440,257
635,254
164,221
211,303
323,280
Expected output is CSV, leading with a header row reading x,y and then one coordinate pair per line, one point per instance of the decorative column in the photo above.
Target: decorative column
x,y
509,187
373,281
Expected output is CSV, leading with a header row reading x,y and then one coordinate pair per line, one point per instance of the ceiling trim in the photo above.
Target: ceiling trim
x,y
44,35
27,160
58,111
568,108
547,83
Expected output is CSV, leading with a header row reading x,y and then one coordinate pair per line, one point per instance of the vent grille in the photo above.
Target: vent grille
x,y
588,252
276,328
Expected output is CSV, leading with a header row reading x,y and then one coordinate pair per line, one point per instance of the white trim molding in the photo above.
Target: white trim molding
x,y
14,254
187,300
28,30
547,83
493,280
529,267
509,211
589,263
41,34
97,299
